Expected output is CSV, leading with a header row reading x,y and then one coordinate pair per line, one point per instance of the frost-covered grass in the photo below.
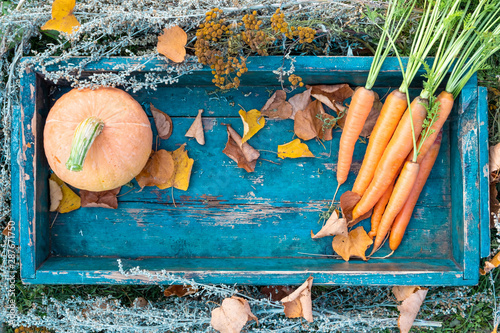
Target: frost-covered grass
x,y
130,28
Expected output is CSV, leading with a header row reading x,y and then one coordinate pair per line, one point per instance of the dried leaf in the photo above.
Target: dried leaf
x,y
163,122
491,264
334,226
56,195
495,157
172,43
300,101
348,200
242,153
158,170
332,95
294,149
298,304
277,106
253,121
7,231
105,199
313,122
179,290
182,170
371,120
70,200
410,307
232,315
196,129
276,293
354,245
140,302
403,292
63,19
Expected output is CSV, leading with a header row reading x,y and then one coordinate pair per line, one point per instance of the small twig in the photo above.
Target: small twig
x,y
263,159
173,199
53,221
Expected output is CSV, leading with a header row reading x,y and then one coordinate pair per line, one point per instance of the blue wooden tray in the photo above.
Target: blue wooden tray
x,y
237,227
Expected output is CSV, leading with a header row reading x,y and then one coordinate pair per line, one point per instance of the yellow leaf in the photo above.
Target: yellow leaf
x,y
294,149
63,19
354,245
253,121
172,44
70,200
182,170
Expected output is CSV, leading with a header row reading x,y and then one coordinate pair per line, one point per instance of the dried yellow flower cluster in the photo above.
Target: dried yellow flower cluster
x,y
280,26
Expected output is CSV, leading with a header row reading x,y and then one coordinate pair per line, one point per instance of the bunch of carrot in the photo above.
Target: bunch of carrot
x,y
405,141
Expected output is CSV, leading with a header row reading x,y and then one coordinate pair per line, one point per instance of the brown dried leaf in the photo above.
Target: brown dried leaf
x,y
163,122
232,315
348,200
409,309
7,231
277,106
371,120
332,95
334,226
243,154
140,302
300,101
314,122
298,304
179,290
105,199
495,157
158,170
276,293
403,292
196,129
56,195
354,245
172,43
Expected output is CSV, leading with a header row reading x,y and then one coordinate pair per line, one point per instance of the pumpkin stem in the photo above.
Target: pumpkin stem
x,y
84,136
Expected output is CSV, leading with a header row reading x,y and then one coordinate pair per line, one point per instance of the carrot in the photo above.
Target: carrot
x,y
395,154
392,110
360,107
378,211
398,198
445,100
404,216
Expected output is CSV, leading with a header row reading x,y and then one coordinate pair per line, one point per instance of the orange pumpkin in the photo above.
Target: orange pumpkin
x,y
97,140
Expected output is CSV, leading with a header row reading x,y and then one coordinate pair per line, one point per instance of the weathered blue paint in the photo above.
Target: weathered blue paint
x,y
237,227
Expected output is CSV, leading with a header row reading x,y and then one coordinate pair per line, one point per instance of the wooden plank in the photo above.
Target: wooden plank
x,y
484,172
249,271
15,177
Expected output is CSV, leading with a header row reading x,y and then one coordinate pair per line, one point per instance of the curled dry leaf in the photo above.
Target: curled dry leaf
x,y
348,200
242,153
63,19
277,106
105,199
294,149
313,122
158,169
183,166
298,304
333,226
56,195
410,307
300,101
332,95
495,157
70,200
276,293
196,129
253,121
491,264
232,315
172,43
139,302
163,122
179,290
354,245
